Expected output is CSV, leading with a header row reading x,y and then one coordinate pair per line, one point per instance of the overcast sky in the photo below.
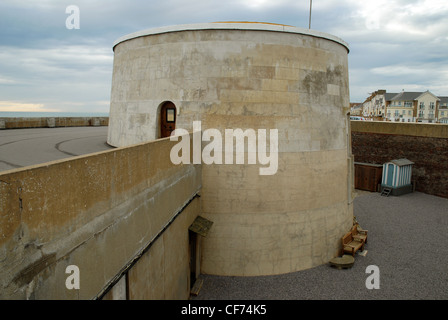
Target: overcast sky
x,y
394,44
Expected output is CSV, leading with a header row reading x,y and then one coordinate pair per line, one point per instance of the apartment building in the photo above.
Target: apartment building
x,y
376,104
402,107
427,106
371,106
443,110
356,109
413,107
405,107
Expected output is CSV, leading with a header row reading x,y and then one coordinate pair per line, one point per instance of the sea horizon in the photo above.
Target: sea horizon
x,y
25,114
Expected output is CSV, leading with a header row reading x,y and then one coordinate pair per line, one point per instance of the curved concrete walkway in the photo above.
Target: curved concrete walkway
x,y
24,147
408,242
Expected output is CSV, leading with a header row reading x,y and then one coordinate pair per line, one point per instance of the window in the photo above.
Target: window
x,y
431,105
396,113
420,114
422,105
170,115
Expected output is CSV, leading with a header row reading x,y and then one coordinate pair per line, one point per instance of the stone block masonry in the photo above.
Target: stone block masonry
x,y
249,76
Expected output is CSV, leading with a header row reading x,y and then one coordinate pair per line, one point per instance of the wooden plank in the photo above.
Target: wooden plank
x,y
201,226
197,287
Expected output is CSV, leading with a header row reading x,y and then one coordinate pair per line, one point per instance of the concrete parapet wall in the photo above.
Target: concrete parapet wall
x,y
431,130
51,122
98,212
424,144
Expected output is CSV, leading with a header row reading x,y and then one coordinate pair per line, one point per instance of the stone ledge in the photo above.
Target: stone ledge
x,y
344,262
52,122
237,25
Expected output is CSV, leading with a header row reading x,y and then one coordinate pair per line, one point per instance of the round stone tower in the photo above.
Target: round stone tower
x,y
284,91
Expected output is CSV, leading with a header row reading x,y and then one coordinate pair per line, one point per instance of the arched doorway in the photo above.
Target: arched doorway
x,y
167,119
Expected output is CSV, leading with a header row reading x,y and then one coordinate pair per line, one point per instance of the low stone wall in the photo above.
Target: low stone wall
x,y
424,144
52,122
114,215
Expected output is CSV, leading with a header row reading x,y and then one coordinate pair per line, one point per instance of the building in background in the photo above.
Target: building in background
x,y
442,114
356,109
376,104
422,106
402,107
413,107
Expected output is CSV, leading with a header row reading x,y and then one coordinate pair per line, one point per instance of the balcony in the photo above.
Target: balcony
x,y
401,105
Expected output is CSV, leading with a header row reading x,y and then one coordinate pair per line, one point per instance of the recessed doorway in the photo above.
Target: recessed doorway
x,y
167,119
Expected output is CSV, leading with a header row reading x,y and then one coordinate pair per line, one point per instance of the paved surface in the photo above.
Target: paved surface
x,y
408,242
408,235
23,147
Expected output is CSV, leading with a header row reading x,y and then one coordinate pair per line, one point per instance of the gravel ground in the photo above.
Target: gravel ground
x,y
408,237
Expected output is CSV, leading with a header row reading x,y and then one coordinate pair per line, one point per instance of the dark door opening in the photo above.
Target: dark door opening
x,y
193,257
167,119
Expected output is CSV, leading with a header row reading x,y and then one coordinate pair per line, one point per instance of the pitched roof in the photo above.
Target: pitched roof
x,y
443,100
388,96
410,96
401,162
406,96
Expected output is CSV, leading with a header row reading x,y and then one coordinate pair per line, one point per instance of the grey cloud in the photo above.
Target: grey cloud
x,y
40,60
